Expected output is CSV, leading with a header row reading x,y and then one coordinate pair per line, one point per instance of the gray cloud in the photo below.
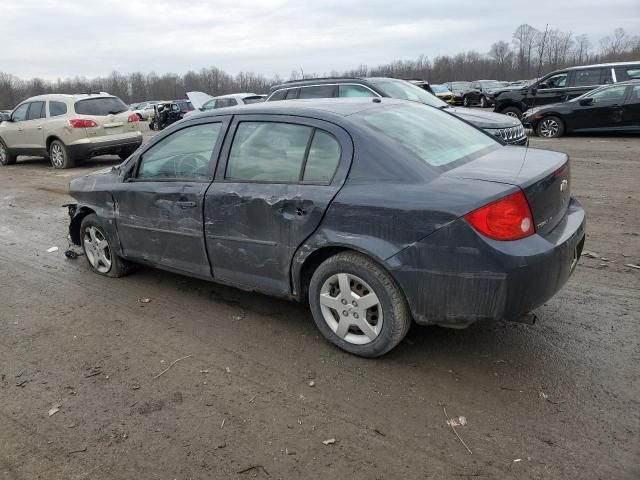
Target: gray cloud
x,y
59,38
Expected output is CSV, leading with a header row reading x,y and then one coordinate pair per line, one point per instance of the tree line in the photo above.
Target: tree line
x,y
528,52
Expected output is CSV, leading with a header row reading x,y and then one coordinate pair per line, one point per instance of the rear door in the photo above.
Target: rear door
x,y
159,207
276,178
33,126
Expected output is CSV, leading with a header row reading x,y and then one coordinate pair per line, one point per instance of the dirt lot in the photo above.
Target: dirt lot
x,y
556,400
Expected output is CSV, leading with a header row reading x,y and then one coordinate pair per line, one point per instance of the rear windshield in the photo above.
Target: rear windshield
x,y
436,137
439,89
406,91
100,106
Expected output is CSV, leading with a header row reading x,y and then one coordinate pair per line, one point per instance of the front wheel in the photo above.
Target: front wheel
x,y
483,102
98,249
550,127
6,157
59,155
465,101
357,305
512,112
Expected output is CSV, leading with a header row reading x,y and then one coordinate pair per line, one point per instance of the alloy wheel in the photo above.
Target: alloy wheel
x,y
57,155
549,128
97,250
3,154
483,102
512,114
351,308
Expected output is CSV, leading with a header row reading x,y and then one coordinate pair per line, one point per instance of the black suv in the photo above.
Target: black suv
x,y
563,85
510,130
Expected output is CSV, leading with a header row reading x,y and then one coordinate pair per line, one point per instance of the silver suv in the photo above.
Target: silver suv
x,y
69,128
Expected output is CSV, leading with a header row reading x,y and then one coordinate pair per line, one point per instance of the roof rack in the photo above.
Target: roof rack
x,y
321,78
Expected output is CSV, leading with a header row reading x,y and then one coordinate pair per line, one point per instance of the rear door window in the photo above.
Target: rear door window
x,y
292,94
586,78
323,158
100,106
57,108
320,91
355,91
36,110
184,155
612,94
268,152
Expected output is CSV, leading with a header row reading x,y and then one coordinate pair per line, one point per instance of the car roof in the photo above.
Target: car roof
x,y
67,96
600,65
235,95
317,107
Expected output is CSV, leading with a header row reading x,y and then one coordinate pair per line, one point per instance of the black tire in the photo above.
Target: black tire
x,y
396,317
466,102
59,155
513,112
550,127
6,157
118,267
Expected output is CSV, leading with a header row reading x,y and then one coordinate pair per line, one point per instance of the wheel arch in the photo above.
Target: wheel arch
x,y
50,140
76,221
307,260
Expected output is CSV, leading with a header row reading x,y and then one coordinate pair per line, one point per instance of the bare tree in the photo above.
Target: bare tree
x,y
614,44
525,38
502,54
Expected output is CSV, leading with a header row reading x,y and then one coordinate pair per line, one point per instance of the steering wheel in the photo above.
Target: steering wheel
x,y
190,163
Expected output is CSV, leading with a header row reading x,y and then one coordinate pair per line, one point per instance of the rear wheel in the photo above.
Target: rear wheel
x,y
550,127
6,157
98,249
483,102
59,155
465,101
357,305
512,112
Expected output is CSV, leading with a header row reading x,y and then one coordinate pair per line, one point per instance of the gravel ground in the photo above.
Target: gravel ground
x,y
556,400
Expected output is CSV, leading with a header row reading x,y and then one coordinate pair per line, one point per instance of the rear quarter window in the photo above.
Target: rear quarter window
x,y
100,106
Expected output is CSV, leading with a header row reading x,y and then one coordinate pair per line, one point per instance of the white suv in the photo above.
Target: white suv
x,y
69,128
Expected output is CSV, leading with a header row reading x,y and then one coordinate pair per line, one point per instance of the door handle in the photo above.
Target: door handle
x,y
39,127
300,211
186,204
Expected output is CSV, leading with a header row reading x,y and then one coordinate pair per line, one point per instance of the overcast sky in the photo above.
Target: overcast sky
x,y
59,38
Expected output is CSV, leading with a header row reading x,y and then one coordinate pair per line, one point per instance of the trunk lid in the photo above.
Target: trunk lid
x,y
543,176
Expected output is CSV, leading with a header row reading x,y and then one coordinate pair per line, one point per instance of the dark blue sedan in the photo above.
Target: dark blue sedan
x,y
376,212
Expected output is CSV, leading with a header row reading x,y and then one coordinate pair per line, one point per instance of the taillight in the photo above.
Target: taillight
x,y
133,118
508,218
82,123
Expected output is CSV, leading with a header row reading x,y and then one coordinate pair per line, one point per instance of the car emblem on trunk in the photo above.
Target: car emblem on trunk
x,y
563,185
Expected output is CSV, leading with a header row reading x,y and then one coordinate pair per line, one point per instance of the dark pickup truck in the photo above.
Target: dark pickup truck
x,y
563,85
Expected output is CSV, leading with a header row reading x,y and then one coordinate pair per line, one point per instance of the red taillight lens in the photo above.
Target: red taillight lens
x,y
508,218
82,123
133,118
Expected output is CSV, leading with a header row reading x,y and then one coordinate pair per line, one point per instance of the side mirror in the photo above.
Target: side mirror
x,y
534,91
586,101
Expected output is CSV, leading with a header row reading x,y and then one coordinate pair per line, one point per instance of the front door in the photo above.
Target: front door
x,y
13,132
159,207
273,186
550,90
604,112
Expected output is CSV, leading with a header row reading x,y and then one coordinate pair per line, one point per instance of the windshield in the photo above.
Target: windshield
x,y
491,84
439,89
406,91
436,137
100,106
460,85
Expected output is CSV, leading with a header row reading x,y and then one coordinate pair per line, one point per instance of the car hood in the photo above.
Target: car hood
x,y
484,119
93,181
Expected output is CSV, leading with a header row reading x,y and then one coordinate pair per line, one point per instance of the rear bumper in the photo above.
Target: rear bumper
x,y
456,277
92,148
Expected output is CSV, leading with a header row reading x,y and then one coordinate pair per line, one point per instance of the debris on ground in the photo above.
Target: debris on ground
x,y
254,467
222,424
227,369
452,422
632,265
72,254
330,441
80,450
312,383
289,452
54,409
144,300
457,422
543,395
171,365
94,372
52,249
517,460
590,254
